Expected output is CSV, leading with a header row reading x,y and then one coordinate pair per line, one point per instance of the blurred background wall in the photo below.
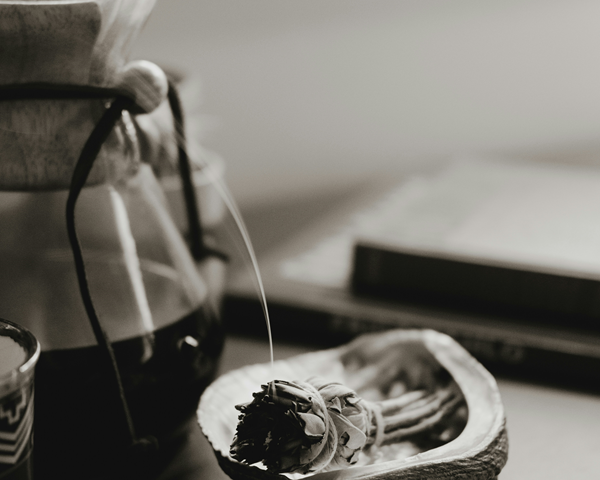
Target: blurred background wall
x,y
302,96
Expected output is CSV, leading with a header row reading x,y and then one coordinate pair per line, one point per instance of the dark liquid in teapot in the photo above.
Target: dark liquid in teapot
x,y
79,424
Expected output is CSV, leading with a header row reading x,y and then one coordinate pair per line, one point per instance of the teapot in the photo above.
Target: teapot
x,y
91,261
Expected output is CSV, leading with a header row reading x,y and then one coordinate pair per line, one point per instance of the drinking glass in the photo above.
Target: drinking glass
x,y
19,352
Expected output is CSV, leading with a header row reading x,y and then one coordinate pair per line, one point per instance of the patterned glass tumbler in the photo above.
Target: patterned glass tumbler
x,y
19,352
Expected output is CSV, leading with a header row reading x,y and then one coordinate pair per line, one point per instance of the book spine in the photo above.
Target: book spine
x,y
534,296
506,355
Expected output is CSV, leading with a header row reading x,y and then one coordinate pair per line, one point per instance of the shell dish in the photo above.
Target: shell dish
x,y
379,366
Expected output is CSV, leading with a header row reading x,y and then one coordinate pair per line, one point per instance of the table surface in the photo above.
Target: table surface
x,y
553,433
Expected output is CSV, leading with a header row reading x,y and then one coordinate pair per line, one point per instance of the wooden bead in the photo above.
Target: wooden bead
x,y
146,83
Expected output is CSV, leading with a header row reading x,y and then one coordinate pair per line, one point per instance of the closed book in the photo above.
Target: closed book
x,y
307,286
517,238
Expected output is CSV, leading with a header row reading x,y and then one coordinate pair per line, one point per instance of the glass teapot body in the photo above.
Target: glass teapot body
x,y
149,297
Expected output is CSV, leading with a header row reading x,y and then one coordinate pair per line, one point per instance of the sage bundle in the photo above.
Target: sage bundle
x,y
313,425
